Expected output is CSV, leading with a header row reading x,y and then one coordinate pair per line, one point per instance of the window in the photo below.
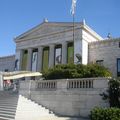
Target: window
x,y
34,60
118,67
99,62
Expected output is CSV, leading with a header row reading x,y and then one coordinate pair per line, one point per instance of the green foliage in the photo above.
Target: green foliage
x,y
105,114
75,71
113,93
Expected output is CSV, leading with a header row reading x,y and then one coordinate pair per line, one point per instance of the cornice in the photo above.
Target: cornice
x,y
105,41
9,56
92,32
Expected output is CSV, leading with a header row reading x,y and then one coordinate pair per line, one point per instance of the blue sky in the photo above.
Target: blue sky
x,y
18,16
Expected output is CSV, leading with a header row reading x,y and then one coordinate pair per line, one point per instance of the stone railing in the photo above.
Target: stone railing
x,y
86,83
47,84
83,83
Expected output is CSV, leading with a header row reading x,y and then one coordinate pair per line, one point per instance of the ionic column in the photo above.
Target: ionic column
x,y
51,56
64,53
39,61
21,57
29,59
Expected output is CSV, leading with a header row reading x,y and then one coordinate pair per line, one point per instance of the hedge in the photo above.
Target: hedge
x,y
105,114
76,71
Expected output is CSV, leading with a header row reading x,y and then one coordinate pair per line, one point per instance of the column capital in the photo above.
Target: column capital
x,y
40,47
52,45
64,42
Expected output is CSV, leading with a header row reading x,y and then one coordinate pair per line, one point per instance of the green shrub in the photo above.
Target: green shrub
x,y
75,71
113,93
105,114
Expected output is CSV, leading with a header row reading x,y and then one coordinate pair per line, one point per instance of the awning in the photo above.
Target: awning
x,y
18,74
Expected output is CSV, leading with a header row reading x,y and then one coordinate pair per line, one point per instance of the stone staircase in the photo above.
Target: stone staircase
x,y
14,107
8,105
28,110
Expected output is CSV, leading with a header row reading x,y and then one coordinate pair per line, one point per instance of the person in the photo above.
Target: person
x,y
14,87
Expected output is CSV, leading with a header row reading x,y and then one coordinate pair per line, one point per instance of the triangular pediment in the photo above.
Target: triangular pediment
x,y
45,29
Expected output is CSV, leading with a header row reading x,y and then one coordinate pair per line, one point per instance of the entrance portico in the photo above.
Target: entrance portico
x,y
45,37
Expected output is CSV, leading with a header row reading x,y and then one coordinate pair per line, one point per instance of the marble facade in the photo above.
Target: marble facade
x,y
51,35
52,43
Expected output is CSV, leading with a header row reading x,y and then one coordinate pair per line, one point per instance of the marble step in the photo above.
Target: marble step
x,y
4,118
7,115
7,109
4,104
8,112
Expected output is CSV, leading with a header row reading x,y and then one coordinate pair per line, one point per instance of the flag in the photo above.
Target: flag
x,y
72,11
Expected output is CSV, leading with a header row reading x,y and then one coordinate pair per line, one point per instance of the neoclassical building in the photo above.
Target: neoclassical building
x,y
52,43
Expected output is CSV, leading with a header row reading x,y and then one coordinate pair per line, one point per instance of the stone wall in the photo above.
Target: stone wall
x,y
7,63
73,97
106,50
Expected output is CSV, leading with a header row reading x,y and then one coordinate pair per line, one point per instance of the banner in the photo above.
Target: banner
x,y
34,61
58,55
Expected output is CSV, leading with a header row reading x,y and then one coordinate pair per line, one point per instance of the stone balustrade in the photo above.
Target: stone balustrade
x,y
70,83
47,85
80,83
69,97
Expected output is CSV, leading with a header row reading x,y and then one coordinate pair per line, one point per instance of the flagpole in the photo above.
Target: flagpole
x,y
73,15
73,34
